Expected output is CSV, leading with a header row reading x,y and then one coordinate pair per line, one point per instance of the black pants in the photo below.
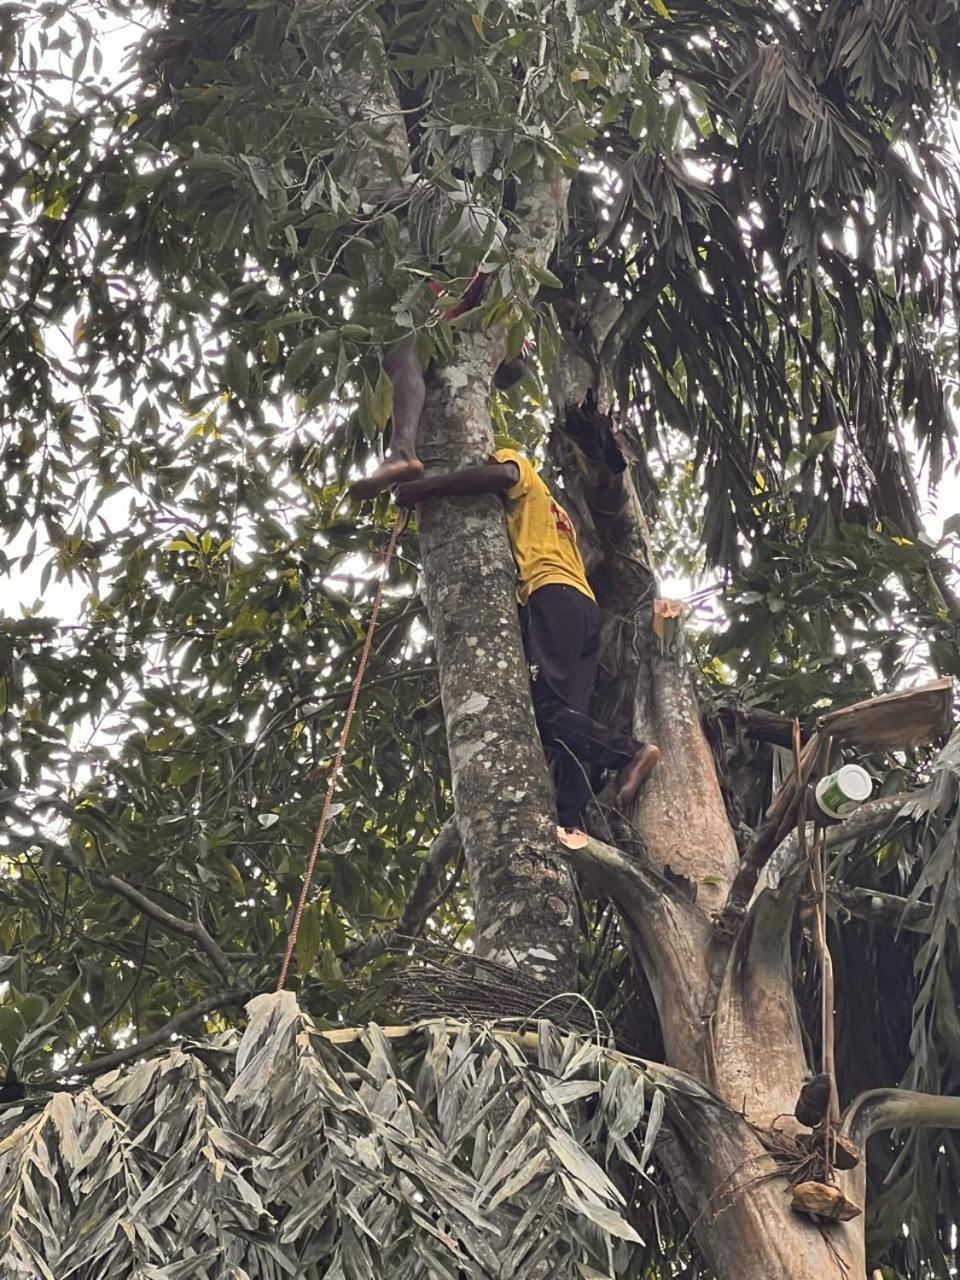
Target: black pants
x,y
560,628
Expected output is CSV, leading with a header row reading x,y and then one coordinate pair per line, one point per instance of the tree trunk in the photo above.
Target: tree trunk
x,y
738,1205
728,1016
523,891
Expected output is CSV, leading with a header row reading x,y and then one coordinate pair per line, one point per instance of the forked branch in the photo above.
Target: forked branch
x,y
193,930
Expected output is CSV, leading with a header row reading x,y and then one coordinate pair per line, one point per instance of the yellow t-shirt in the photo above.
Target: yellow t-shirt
x,y
541,533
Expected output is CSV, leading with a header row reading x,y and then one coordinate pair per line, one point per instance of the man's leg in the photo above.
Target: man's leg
x,y
570,778
560,626
595,744
402,367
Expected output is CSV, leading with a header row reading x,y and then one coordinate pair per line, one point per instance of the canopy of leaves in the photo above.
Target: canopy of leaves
x,y
195,291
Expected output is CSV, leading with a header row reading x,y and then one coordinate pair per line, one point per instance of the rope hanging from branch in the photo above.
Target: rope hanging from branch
x,y
334,775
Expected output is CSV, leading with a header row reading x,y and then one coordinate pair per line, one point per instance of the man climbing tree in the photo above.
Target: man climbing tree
x,y
560,624
450,228
732,228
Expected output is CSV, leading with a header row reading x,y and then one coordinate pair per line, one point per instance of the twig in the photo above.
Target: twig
x,y
193,930
815,854
227,1000
419,905
887,909
829,999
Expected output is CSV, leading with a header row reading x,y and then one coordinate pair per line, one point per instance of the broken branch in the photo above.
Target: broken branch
x,y
635,886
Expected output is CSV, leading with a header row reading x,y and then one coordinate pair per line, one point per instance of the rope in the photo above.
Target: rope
x,y
386,557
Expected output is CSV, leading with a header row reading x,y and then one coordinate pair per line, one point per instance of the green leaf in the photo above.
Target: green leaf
x,y
672,123
612,109
382,400
819,443
309,938
544,276
57,207
367,407
299,359
236,371
268,33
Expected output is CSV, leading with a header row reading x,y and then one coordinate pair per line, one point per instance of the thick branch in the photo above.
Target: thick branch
x,y
898,1109
762,726
96,1066
669,935
537,217
631,882
784,875
755,1003
637,888
756,1017
780,818
420,904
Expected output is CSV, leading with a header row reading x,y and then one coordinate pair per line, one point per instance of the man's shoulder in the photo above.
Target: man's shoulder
x,y
527,477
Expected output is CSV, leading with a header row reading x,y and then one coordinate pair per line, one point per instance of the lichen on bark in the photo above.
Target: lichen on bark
x,y
523,891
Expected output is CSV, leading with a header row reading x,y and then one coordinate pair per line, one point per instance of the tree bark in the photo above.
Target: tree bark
x,y
523,894
523,891
728,1017
739,1206
680,814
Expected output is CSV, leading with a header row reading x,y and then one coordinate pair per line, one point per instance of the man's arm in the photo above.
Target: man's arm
x,y
493,477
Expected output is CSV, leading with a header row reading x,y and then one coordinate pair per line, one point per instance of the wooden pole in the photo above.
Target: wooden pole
x,y
815,854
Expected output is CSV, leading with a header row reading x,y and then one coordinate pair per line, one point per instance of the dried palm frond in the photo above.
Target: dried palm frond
x,y
333,1155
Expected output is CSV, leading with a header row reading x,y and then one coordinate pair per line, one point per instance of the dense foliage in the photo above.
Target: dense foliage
x,y
196,288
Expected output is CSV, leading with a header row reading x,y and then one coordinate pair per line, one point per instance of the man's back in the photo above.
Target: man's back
x,y
541,533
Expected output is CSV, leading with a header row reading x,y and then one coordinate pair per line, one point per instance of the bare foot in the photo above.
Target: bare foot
x,y
632,775
572,837
393,471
